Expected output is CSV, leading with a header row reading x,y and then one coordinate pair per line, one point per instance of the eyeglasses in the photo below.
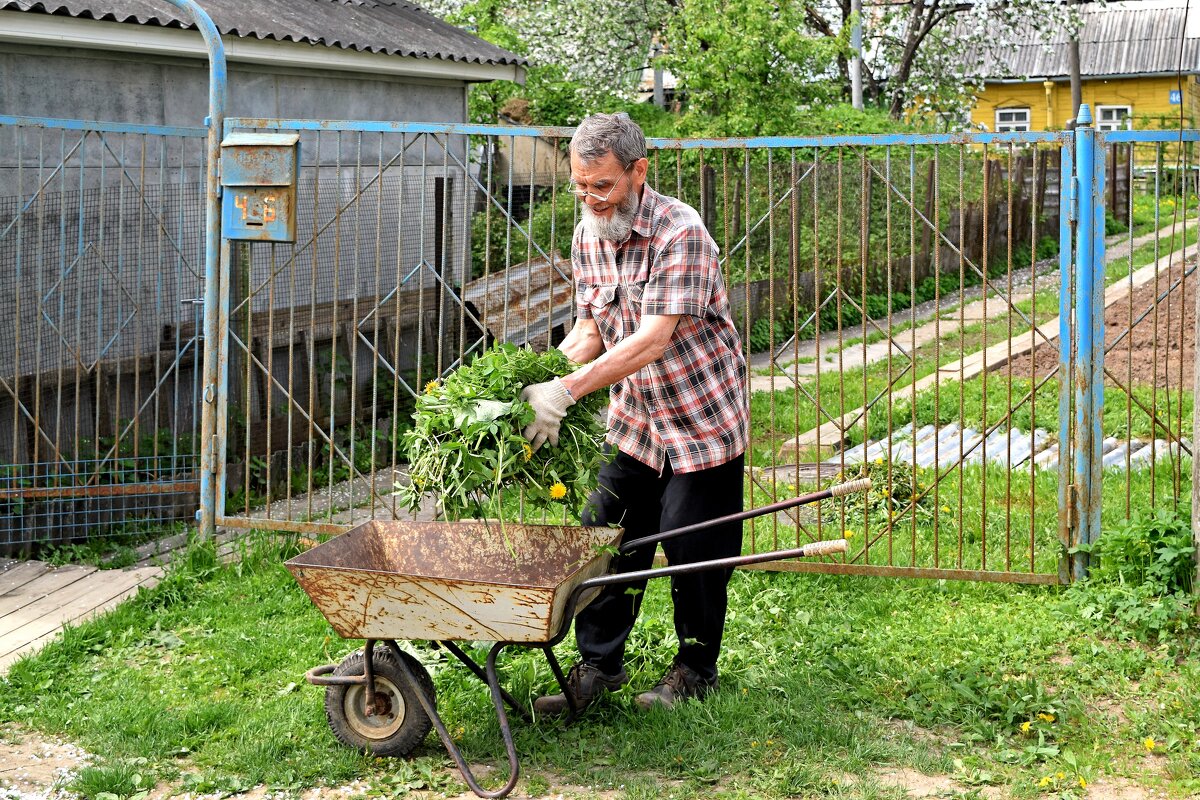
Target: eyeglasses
x,y
603,198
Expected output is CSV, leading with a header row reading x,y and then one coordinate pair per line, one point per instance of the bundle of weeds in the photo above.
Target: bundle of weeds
x,y
466,443
895,491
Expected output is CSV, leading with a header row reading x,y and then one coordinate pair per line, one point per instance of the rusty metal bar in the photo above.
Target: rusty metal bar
x,y
114,490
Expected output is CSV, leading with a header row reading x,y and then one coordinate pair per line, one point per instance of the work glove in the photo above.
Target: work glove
x,y
550,401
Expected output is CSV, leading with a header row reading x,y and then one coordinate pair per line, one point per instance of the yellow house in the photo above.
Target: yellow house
x,y
1130,55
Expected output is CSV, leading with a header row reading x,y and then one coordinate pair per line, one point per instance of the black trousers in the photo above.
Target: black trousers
x,y
635,496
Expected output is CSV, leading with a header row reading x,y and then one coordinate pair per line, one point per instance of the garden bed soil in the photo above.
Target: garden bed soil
x,y
1158,352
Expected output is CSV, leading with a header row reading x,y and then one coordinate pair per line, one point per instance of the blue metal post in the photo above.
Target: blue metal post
x,y
213,285
1066,216
1089,316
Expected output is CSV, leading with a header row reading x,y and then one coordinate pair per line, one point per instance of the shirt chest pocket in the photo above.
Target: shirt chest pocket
x,y
617,308
601,302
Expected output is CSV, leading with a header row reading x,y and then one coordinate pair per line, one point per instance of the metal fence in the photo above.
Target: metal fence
x,y
857,267
101,256
908,307
1149,323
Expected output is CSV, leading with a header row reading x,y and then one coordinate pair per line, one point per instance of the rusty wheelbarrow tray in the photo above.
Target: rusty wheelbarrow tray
x,y
452,581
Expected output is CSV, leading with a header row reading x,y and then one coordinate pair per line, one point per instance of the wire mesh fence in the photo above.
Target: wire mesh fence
x,y
101,256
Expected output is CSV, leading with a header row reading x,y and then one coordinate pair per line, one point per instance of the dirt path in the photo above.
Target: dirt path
x,y
1158,350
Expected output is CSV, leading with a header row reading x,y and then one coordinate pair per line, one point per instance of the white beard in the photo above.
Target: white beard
x,y
615,228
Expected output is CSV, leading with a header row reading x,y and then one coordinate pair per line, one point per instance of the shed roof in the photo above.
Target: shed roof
x,y
387,27
1130,37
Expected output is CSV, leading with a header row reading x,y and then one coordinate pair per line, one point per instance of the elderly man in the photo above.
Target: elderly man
x,y
653,325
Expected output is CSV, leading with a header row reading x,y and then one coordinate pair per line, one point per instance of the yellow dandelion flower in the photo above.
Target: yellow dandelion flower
x,y
1082,783
1045,781
1025,726
848,534
1060,775
431,387
945,509
528,451
878,461
1044,717
1149,743
754,744
558,491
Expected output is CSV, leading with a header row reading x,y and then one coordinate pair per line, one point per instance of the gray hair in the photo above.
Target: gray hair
x,y
601,134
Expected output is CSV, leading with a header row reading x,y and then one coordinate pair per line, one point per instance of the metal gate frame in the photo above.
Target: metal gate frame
x,y
1081,332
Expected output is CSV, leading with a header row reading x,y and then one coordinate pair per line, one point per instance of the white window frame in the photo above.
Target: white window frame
x,y
1119,124
1013,124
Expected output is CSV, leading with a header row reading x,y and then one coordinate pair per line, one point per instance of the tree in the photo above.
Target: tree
x,y
749,67
583,53
927,55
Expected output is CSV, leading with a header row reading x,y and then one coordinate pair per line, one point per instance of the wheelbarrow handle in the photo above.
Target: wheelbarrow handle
x,y
838,490
809,550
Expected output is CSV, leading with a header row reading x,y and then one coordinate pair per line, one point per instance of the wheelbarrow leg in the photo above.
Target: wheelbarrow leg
x,y
493,682
482,675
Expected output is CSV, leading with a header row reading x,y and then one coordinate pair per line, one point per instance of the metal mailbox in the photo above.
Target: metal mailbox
x,y
258,176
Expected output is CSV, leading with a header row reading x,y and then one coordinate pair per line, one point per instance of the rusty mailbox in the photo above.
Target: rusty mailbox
x,y
258,176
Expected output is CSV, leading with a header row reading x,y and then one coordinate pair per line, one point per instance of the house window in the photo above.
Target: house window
x,y
1012,119
1114,118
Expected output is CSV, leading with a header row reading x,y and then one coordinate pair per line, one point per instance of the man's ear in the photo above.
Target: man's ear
x,y
640,168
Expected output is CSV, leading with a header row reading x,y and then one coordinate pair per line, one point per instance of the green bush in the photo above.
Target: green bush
x,y
1152,548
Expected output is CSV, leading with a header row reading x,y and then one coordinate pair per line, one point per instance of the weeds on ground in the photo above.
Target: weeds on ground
x,y
1141,575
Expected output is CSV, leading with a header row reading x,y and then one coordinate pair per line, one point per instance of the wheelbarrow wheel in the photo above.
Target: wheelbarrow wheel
x,y
399,723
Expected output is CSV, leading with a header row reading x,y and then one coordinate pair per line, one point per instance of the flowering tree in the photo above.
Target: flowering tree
x,y
929,55
751,66
582,53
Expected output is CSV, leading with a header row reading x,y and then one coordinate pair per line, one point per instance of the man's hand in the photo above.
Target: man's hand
x,y
550,401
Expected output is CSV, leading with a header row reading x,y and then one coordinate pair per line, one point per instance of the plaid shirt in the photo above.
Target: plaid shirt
x,y
689,406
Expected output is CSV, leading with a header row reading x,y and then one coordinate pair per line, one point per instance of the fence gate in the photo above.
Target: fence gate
x,y
926,309
101,257
1149,331
332,337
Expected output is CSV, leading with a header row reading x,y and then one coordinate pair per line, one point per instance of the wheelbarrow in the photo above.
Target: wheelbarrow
x,y
444,582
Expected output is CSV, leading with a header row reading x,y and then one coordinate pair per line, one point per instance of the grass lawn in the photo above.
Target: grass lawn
x,y
829,684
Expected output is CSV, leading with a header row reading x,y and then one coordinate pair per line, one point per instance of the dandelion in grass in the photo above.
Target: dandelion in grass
x,y
558,491
848,535
1082,783
945,509
1044,717
1044,782
528,451
431,387
1149,744
1025,726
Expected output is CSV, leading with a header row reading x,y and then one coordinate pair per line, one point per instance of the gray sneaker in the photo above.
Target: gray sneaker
x,y
680,683
585,683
